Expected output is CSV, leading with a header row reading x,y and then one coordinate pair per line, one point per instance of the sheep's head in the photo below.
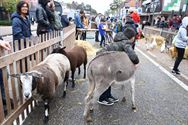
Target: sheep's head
x,y
59,50
27,82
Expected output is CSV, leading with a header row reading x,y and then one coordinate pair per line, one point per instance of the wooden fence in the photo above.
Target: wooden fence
x,y
22,59
168,34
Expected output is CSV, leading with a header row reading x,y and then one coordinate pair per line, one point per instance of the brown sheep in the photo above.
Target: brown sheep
x,y
77,56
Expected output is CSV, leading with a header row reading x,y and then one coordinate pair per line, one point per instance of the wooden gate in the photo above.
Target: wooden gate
x,y
24,55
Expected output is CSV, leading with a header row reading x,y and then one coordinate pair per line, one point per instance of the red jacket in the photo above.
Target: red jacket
x,y
135,16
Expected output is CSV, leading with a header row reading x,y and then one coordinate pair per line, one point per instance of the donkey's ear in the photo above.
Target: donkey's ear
x,y
15,75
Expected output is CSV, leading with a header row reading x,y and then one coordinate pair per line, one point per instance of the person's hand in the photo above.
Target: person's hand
x,y
5,45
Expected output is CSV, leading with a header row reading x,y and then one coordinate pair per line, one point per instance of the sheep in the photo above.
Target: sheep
x,y
43,79
104,70
77,56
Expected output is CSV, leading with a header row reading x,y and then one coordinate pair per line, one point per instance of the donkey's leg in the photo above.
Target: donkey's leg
x,y
132,80
124,93
88,101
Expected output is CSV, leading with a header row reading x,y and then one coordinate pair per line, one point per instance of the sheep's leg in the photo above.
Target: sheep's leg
x,y
132,80
65,83
46,109
84,71
73,84
89,101
79,70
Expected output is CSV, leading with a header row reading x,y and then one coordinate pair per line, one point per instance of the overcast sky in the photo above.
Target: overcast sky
x,y
99,5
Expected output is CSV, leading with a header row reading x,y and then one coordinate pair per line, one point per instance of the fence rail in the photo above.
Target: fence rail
x,y
24,55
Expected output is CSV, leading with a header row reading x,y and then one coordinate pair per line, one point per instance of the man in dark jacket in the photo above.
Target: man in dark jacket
x,y
123,41
64,21
42,18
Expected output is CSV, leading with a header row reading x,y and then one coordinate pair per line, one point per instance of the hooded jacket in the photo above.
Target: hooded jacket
x,y
121,43
21,28
182,38
42,20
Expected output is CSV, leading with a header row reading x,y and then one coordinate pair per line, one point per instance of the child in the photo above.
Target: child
x,y
123,41
102,31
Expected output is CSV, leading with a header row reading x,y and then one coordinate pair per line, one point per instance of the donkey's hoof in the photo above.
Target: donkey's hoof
x,y
124,99
73,85
89,119
134,108
91,110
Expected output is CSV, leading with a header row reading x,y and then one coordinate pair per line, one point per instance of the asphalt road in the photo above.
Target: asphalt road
x,y
159,99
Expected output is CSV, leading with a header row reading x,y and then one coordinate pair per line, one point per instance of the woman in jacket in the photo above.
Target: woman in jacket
x,y
180,44
20,23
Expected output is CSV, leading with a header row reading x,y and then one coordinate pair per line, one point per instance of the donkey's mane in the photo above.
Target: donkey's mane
x,y
102,54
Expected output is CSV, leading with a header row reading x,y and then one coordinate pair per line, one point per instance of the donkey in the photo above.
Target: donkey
x,y
104,70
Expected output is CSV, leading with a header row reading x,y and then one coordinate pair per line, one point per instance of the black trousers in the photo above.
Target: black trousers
x,y
106,94
179,58
102,40
97,36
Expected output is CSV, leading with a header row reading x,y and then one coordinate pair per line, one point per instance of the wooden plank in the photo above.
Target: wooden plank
x,y
18,81
5,82
23,62
15,101
2,116
16,113
7,59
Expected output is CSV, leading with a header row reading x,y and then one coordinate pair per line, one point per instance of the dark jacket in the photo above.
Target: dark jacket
x,y
130,23
64,21
121,43
21,28
42,20
53,18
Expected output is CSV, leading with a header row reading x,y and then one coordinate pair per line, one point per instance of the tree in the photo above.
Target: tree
x,y
10,6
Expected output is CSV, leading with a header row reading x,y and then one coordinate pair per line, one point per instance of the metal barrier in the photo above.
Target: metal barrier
x,y
22,59
168,34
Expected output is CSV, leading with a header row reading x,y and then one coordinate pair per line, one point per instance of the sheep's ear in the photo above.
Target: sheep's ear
x,y
37,75
15,75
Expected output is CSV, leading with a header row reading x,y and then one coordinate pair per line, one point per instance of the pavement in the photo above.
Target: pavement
x,y
159,99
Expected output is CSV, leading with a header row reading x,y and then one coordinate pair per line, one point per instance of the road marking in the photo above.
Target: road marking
x,y
179,82
152,54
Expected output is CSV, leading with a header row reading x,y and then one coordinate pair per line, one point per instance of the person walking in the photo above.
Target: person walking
x,y
102,31
21,27
181,42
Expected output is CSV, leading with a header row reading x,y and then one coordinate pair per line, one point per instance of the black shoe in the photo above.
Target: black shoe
x,y
113,99
106,102
176,72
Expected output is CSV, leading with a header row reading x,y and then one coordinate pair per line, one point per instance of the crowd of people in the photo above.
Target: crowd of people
x,y
172,23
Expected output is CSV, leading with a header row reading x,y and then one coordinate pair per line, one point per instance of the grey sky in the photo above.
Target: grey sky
x,y
99,5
